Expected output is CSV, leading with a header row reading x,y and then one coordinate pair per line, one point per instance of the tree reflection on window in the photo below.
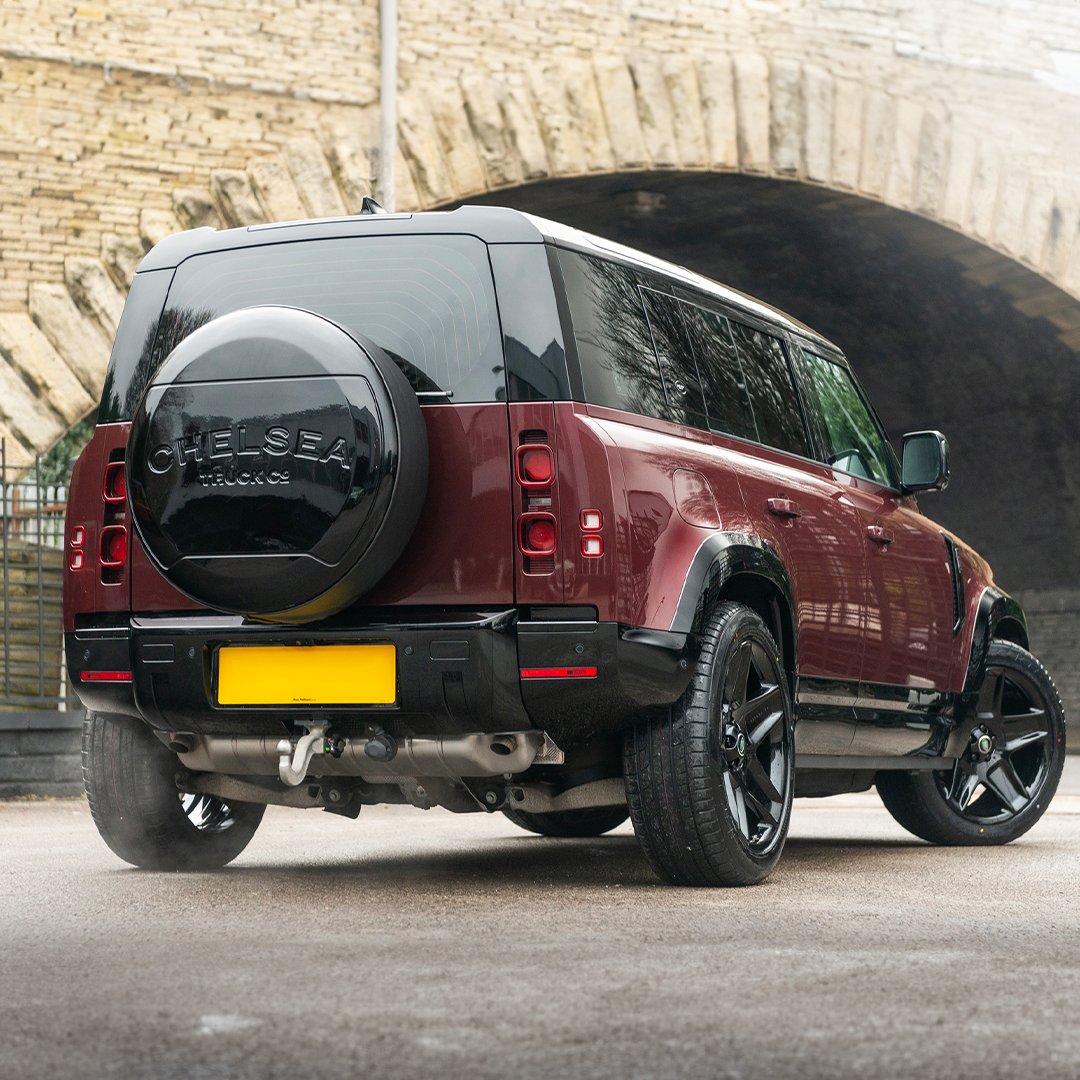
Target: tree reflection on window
x,y
854,443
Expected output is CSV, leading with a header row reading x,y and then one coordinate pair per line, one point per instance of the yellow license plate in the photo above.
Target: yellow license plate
x,y
307,675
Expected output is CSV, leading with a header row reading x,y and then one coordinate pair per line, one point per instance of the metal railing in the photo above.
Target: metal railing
x,y
32,670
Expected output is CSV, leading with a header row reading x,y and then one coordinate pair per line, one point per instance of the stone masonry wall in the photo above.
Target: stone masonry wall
x,y
961,110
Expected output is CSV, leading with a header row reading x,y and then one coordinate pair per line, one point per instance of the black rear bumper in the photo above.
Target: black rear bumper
x,y
457,671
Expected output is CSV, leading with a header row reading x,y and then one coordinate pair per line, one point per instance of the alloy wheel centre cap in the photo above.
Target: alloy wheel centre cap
x,y
740,744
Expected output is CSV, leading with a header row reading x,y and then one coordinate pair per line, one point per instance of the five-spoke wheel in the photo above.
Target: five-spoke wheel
x,y
1010,767
709,786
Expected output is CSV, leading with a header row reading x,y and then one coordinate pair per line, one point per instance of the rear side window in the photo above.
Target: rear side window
x,y
722,377
682,382
429,302
771,390
614,341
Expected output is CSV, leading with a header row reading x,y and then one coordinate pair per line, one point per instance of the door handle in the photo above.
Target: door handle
x,y
879,535
784,508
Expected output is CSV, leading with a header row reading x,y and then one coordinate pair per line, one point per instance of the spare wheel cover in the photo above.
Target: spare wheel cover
x,y
277,465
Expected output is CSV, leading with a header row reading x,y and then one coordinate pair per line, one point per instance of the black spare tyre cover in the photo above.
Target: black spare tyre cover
x,y
276,465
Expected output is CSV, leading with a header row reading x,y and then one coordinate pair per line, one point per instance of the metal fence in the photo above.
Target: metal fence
x,y
32,671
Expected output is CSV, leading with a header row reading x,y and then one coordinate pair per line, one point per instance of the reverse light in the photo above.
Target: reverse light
x,y
535,466
114,485
538,535
592,547
114,545
591,521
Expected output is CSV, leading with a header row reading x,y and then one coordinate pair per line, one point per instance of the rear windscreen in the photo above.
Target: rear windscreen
x,y
428,301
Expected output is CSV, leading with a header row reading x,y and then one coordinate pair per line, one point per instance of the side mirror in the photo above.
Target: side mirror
x,y
925,461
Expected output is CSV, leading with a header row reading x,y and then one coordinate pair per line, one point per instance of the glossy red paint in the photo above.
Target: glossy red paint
x,y
909,637
456,557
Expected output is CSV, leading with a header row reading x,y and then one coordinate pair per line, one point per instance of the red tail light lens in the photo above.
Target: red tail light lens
x,y
114,489
114,545
538,534
535,466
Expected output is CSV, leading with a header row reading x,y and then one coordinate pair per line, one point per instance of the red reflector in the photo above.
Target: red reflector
x,y
538,534
114,488
592,547
106,676
535,466
114,545
558,673
75,562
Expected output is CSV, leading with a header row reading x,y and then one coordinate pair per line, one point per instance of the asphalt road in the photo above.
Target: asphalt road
x,y
411,944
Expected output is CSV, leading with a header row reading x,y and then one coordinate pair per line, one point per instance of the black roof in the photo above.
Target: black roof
x,y
492,224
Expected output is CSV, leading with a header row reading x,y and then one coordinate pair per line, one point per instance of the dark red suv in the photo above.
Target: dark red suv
x,y
474,510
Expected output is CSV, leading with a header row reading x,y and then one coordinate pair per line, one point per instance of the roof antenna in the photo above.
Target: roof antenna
x,y
370,206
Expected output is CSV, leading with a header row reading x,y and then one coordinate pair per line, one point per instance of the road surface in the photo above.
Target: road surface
x,y
411,944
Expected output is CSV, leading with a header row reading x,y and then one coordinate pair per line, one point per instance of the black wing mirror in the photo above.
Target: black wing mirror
x,y
925,464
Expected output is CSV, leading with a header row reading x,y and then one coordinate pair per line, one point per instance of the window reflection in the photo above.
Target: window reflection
x,y
853,441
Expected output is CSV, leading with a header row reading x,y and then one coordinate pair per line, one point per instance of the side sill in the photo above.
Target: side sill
x,y
872,764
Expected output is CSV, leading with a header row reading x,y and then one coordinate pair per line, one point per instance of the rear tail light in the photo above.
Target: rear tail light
x,y
114,545
114,486
535,466
539,535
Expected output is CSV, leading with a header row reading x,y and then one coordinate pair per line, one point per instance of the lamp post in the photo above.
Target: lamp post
x,y
387,102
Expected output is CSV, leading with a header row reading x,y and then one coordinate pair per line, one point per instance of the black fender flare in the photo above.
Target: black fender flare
x,y
722,557
997,611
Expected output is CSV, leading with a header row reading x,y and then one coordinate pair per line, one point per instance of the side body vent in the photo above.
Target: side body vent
x,y
956,572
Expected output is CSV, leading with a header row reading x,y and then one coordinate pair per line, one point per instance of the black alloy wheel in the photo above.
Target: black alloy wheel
x,y
753,744
709,786
1009,770
130,779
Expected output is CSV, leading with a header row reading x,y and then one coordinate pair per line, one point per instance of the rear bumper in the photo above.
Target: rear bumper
x,y
457,671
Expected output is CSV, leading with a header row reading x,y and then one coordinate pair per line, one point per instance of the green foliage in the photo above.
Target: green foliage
x,y
56,464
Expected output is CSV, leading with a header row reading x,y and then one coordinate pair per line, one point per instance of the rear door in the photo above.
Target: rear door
x,y
795,501
429,302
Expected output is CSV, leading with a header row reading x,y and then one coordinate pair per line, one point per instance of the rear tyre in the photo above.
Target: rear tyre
x,y
709,786
569,823
1010,770
130,780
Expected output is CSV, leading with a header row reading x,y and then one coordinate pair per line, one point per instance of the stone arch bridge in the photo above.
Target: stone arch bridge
x,y
124,121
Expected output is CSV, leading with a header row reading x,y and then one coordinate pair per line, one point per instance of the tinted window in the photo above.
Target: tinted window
x,y
428,302
682,383
721,372
614,341
853,441
130,363
771,390
532,333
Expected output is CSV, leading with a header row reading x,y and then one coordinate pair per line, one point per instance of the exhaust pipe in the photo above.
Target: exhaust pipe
x,y
315,754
